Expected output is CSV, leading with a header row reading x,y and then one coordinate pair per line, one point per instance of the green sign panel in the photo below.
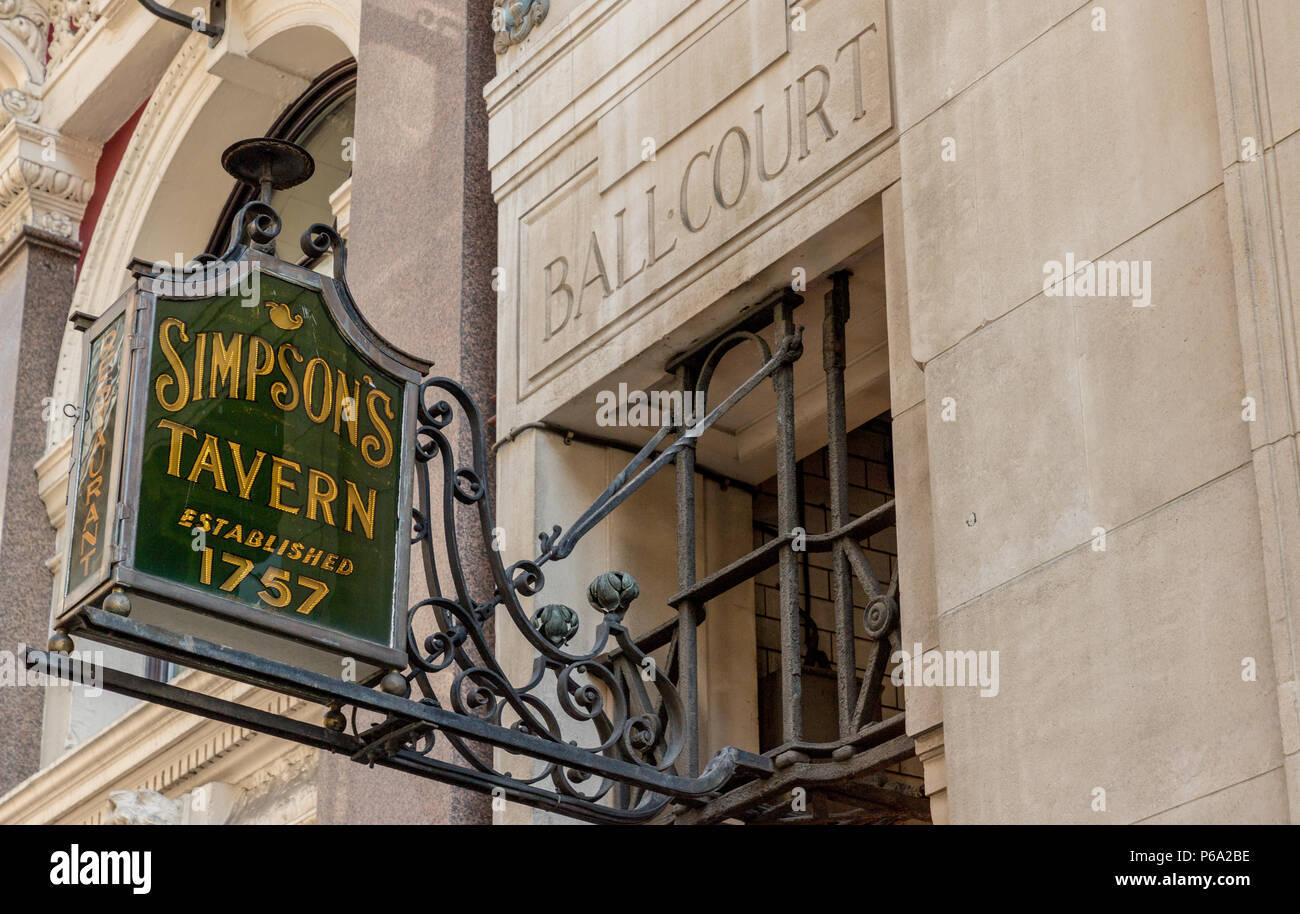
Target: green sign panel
x,y
92,510
270,462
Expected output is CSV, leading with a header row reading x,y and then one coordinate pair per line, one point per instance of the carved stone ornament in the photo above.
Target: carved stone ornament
x,y
143,807
25,25
513,20
20,105
46,180
72,19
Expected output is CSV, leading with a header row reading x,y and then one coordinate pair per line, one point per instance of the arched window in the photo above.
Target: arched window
x,y
320,120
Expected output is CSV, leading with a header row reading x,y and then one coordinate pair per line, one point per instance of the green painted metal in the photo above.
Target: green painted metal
x,y
271,460
96,468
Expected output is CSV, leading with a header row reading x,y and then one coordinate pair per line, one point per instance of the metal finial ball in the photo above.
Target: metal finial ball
x,y
117,603
60,643
335,721
395,684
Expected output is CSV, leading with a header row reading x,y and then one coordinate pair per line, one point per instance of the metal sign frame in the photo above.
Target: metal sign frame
x,y
96,580
251,250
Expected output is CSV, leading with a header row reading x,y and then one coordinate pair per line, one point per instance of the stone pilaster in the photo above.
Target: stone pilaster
x,y
423,244
45,182
1255,68
37,270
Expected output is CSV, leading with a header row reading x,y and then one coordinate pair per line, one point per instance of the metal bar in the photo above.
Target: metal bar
x,y
860,567
414,763
649,642
873,521
625,484
213,27
873,684
787,512
866,736
688,684
287,728
170,696
734,803
767,555
751,319
837,473
739,571
280,677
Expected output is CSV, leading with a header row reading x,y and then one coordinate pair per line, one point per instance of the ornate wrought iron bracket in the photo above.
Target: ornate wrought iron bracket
x,y
602,730
605,733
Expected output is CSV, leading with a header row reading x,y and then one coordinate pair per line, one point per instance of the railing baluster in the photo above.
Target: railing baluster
x,y
787,511
688,618
837,460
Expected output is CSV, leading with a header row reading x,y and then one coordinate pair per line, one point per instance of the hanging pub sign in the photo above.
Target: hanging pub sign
x,y
242,460
246,465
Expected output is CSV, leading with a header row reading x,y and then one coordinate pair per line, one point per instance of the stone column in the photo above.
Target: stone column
x,y
45,181
423,245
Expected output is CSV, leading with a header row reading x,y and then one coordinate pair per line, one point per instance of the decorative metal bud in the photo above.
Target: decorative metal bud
x,y
557,623
613,592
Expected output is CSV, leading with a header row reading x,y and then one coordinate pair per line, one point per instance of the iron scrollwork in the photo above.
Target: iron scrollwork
x,y
643,726
605,732
593,720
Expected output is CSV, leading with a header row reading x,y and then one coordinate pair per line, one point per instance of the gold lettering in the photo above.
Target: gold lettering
x,y
370,442
348,408
365,514
225,360
327,391
244,477
200,347
321,497
178,432
279,388
257,367
278,482
181,379
209,459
